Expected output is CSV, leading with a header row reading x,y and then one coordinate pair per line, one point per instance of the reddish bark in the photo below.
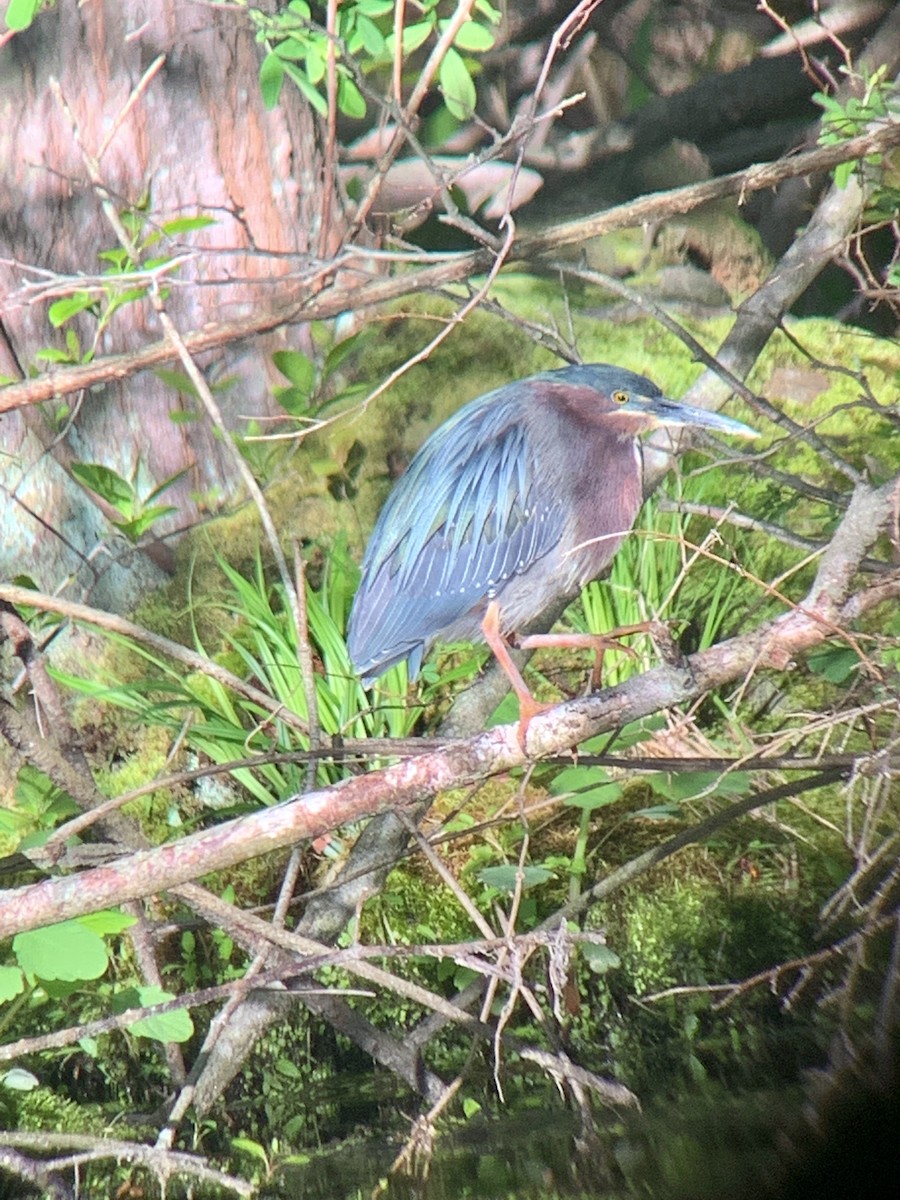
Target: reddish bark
x,y
197,139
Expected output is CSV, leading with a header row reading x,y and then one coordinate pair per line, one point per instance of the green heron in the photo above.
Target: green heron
x,y
514,503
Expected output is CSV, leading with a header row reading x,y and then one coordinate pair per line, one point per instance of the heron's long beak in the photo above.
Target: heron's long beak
x,y
660,411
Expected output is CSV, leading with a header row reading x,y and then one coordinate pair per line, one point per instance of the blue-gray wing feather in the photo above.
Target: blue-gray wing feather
x,y
467,516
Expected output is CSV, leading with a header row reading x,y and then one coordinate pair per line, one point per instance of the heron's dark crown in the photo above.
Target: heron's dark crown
x,y
603,377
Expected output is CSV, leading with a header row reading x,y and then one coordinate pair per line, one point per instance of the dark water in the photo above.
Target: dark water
x,y
522,1155
779,1144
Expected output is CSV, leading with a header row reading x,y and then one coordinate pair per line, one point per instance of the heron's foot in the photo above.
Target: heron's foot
x,y
598,642
528,706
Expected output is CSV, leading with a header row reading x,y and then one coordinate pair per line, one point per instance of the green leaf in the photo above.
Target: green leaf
x,y
370,36
834,663
117,257
110,920
296,367
341,351
69,306
25,581
375,8
504,878
315,63
315,99
58,989
350,99
457,86
271,77
129,294
187,224
471,36
177,380
600,959
471,1108
254,1149
68,951
52,355
684,785
134,527
107,484
295,49
175,1026
288,1069
168,482
657,812
34,791
487,10
414,36
591,787
292,400
12,983
20,13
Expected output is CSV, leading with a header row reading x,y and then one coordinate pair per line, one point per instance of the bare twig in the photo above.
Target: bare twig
x,y
121,627
165,1163
332,302
408,783
410,110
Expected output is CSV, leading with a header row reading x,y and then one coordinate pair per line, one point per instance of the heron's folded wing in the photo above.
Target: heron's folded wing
x,y
463,520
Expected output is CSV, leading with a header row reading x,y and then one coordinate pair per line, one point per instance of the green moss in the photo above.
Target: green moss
x,y
486,351
47,1110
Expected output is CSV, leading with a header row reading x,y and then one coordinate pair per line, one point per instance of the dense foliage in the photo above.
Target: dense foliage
x,y
637,946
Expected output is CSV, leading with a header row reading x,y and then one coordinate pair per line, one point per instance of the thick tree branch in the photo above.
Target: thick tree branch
x,y
775,643
333,301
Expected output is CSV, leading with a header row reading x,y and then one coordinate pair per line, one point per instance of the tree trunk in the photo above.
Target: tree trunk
x,y
196,139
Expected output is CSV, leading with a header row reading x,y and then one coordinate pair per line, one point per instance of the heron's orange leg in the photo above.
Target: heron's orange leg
x,y
598,642
528,706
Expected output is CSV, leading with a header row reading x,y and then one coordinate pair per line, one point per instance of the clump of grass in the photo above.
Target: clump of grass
x,y
259,642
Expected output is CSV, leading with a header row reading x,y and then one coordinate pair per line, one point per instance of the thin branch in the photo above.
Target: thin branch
x,y
453,268
95,1149
409,783
410,110
119,626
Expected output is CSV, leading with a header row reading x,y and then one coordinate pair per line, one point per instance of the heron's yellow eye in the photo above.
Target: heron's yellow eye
x,y
620,397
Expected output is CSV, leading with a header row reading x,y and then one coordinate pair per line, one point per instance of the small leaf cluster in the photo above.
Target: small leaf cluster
x,y
138,513
308,377
298,50
843,119
37,806
119,262
57,960
313,388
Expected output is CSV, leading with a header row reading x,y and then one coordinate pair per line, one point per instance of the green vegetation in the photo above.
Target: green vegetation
x,y
643,998
618,923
